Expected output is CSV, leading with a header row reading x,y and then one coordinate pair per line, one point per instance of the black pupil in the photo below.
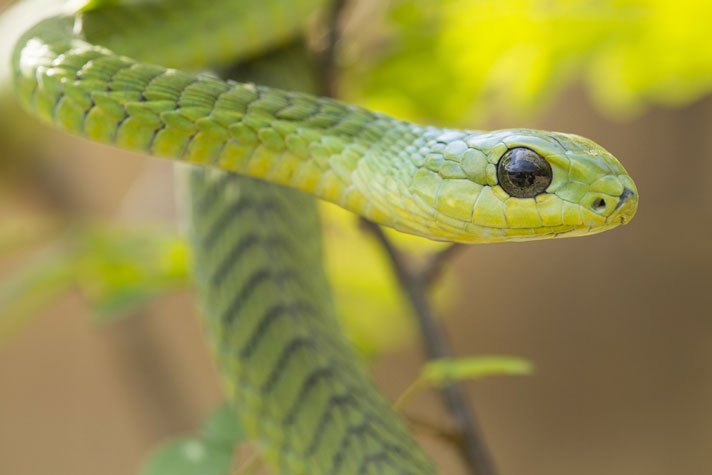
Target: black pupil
x,y
523,173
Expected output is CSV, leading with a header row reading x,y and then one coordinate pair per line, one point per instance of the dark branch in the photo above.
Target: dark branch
x,y
423,425
471,443
434,267
329,70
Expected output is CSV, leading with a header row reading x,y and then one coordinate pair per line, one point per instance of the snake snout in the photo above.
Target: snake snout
x,y
625,196
626,207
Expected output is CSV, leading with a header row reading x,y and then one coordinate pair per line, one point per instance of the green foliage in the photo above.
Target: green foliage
x,y
88,5
24,293
120,270
189,456
116,269
443,371
460,61
208,453
223,427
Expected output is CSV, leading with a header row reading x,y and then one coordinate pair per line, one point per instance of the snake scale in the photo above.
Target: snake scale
x,y
287,367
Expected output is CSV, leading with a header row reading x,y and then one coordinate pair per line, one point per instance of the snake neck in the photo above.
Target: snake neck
x,y
301,390
366,162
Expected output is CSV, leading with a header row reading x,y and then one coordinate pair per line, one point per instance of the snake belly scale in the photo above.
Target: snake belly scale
x,y
300,389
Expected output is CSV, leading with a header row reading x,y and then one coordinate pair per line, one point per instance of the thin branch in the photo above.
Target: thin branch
x,y
434,267
329,70
423,425
472,444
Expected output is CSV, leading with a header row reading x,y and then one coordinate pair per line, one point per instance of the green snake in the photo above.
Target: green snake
x,y
298,386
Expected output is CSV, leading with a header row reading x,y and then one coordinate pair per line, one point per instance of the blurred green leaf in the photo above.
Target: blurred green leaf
x,y
23,232
224,427
120,270
22,294
210,453
510,57
88,5
189,456
443,371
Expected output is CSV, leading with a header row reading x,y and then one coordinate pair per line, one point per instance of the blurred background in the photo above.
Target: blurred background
x,y
101,355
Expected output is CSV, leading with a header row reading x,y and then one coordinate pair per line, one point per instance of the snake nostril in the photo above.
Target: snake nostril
x,y
599,204
625,196
627,193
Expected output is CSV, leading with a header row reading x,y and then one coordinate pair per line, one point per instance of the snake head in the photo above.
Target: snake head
x,y
522,184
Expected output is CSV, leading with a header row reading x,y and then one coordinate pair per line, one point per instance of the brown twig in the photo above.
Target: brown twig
x,y
329,70
423,425
433,269
471,444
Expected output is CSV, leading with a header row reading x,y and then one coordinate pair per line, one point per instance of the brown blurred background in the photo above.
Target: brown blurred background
x,y
619,327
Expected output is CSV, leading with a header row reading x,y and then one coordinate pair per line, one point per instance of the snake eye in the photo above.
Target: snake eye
x,y
523,173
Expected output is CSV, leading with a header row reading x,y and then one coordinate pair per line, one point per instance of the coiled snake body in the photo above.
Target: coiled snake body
x,y
286,365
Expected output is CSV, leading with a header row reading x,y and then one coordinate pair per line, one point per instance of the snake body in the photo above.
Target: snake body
x,y
286,365
300,387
